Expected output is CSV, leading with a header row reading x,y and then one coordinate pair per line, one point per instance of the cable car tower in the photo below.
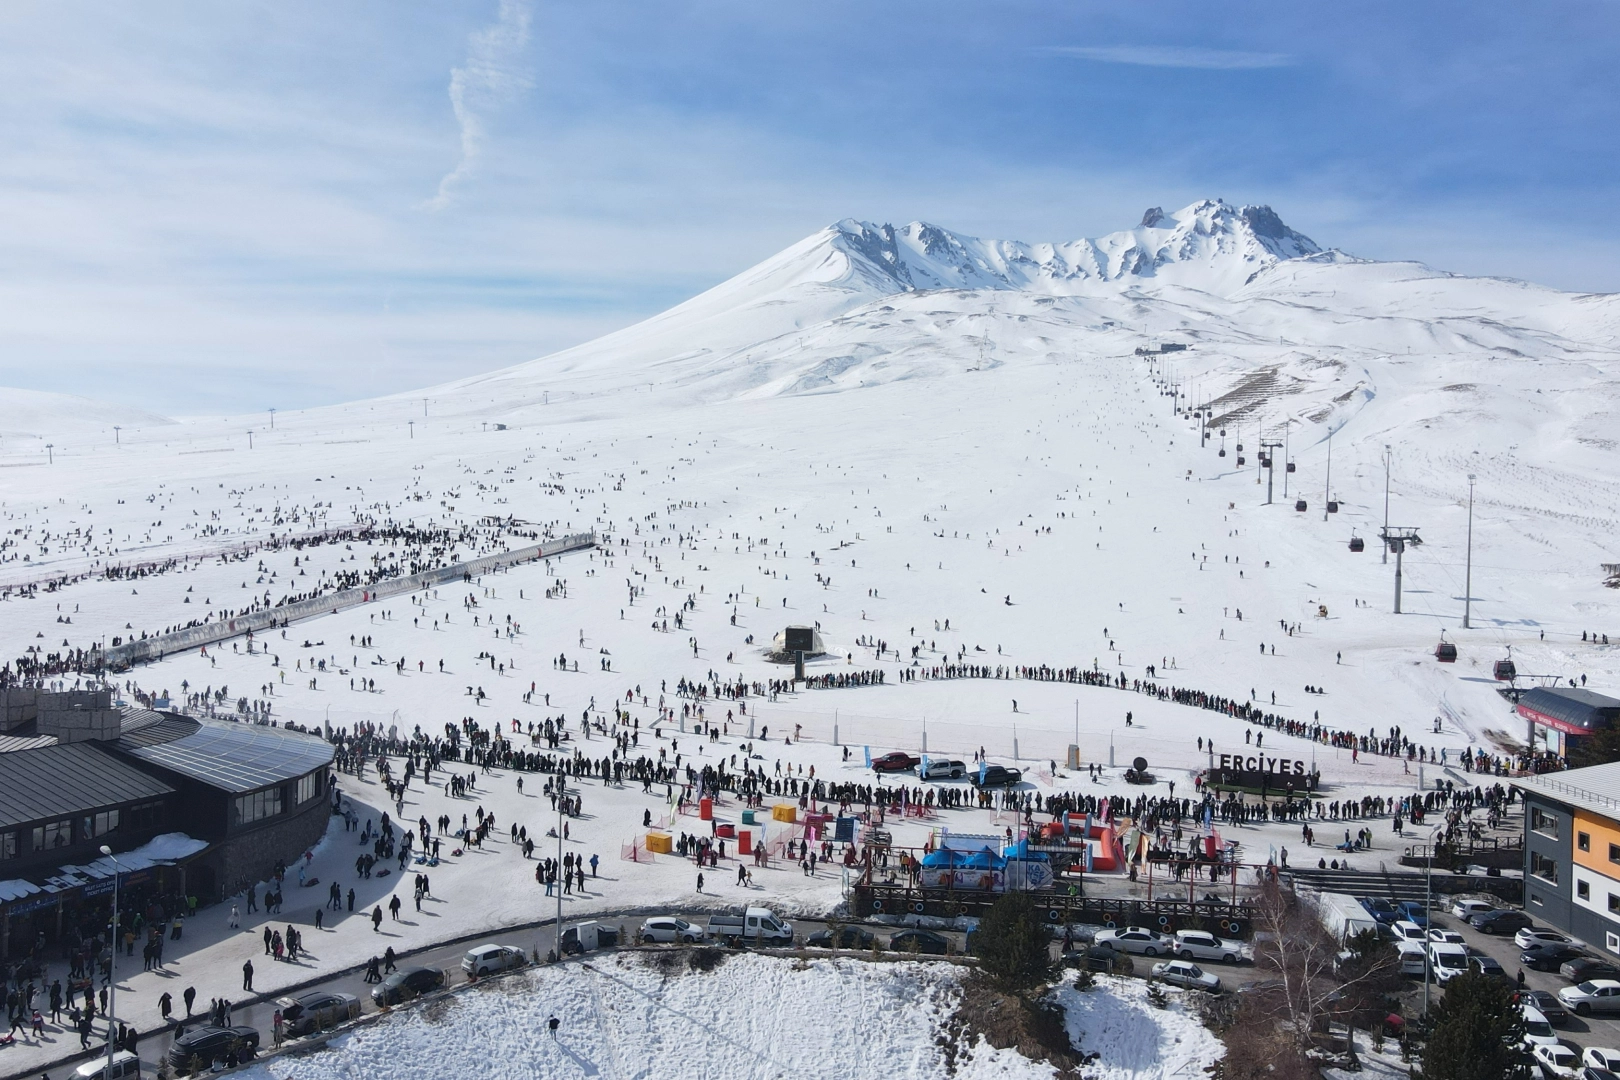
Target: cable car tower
x,y
1396,540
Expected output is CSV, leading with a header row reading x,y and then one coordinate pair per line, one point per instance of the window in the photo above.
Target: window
x,y
1543,867
257,806
1536,900
1614,904
1543,822
309,787
1611,941
93,825
8,845
146,815
1583,889
55,834
1583,841
1614,853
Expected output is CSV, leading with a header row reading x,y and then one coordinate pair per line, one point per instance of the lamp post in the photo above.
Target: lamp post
x,y
562,789
1468,576
112,969
1428,900
117,439
50,453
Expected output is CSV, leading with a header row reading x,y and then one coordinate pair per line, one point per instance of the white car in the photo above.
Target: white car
x,y
1593,996
1601,1057
1406,930
1136,939
488,959
1446,937
1532,935
670,930
1447,962
1467,909
1202,945
941,769
1187,975
1557,1061
1537,1029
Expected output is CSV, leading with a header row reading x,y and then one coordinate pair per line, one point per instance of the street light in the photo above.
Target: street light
x,y
112,969
1428,914
561,791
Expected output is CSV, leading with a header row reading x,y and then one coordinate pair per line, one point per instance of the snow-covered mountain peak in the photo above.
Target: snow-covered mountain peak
x,y
1210,245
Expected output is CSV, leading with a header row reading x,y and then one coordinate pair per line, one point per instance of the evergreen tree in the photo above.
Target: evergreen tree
x,y
1013,945
1477,1032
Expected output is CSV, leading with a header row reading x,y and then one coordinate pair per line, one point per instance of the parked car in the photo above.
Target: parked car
x,y
1594,996
124,1066
670,930
316,1011
1480,964
1381,909
921,941
1186,974
1546,1003
1600,1057
1557,1061
1587,968
1501,921
849,937
1095,957
1537,1030
487,959
995,776
1467,909
895,761
1202,945
1446,937
210,1044
402,986
941,769
1447,962
1536,935
1414,911
1137,939
1590,1073
1406,930
1547,957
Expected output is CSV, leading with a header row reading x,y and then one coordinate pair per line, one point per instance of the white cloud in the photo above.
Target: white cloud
x,y
491,77
1174,56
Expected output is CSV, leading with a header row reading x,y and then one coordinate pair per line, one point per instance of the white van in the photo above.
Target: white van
x,y
1414,960
124,1065
1448,961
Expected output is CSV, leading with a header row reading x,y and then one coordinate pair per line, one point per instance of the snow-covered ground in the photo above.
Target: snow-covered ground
x,y
753,1016
980,469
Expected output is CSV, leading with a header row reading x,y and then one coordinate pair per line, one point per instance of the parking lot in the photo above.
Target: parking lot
x,y
1577,1031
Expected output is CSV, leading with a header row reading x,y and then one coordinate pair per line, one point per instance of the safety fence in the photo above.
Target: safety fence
x,y
155,648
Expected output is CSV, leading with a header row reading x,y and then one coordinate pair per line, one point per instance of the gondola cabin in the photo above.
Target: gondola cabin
x,y
1357,544
1446,652
1504,670
1299,504
1333,506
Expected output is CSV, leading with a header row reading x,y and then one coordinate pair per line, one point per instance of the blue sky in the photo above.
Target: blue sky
x,y
227,207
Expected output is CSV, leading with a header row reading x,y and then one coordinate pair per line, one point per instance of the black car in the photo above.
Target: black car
x,y
1547,1004
1581,969
402,986
211,1044
1547,957
849,937
1506,921
1095,958
316,1011
995,776
921,941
